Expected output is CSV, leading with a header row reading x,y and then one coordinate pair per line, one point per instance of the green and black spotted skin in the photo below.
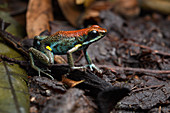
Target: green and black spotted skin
x,y
62,41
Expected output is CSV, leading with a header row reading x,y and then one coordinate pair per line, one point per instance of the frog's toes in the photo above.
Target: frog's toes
x,y
41,71
92,66
99,71
47,70
81,67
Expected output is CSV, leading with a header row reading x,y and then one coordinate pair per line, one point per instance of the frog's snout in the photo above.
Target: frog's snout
x,y
103,32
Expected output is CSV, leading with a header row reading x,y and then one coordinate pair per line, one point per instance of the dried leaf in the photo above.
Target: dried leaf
x,y
88,2
93,11
162,6
79,2
59,60
39,14
70,11
126,8
69,82
85,2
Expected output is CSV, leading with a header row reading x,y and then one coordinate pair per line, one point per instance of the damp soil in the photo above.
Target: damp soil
x,y
134,58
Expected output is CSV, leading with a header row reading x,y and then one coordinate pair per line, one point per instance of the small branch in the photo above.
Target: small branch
x,y
146,88
12,40
148,48
135,69
13,60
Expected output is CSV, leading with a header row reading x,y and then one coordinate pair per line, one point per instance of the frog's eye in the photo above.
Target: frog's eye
x,y
36,43
94,31
93,34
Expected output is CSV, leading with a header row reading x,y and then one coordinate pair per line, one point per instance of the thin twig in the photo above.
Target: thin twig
x,y
154,86
80,57
147,47
135,69
13,60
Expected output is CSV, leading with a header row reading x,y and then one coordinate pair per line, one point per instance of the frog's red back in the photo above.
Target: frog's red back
x,y
81,32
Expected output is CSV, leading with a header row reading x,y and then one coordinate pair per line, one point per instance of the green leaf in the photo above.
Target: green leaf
x,y
14,97
15,28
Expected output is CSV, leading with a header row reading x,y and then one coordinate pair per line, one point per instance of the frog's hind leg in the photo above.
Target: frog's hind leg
x,y
42,57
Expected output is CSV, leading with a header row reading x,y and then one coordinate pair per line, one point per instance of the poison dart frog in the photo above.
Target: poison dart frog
x,y
65,42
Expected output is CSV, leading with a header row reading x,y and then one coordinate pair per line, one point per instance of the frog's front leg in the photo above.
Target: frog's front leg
x,y
42,57
70,57
90,64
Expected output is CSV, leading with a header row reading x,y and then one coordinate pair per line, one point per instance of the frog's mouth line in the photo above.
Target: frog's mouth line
x,y
93,40
96,39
